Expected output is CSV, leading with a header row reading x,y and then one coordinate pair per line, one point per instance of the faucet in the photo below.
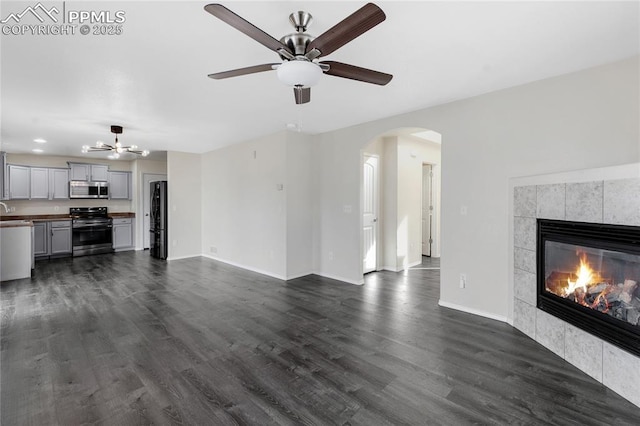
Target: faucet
x,y
6,208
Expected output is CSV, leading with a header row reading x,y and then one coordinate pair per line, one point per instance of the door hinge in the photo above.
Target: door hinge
x,y
431,173
430,240
431,208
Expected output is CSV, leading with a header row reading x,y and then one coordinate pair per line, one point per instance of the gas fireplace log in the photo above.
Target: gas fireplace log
x,y
633,316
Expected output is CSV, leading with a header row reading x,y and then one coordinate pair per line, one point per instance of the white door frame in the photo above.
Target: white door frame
x,y
145,194
427,207
376,211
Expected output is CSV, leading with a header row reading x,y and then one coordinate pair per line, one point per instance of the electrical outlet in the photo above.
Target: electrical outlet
x,y
463,280
213,249
330,255
464,210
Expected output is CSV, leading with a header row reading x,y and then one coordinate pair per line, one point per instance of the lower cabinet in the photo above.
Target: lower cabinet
x,y
123,234
52,238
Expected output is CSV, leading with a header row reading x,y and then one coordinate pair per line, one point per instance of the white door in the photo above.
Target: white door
x,y
427,209
146,205
370,214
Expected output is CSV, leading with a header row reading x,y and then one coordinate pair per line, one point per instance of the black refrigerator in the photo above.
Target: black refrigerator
x,y
158,220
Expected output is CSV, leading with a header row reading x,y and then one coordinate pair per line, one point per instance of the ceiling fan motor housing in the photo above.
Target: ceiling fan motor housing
x,y
299,40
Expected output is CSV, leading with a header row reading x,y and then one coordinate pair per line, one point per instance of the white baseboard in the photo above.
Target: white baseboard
x,y
248,268
400,269
294,276
189,256
337,278
472,311
414,264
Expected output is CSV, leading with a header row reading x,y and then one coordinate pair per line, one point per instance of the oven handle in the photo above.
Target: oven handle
x,y
91,226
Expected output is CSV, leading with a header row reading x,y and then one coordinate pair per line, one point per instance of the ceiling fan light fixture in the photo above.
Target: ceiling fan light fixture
x,y
299,73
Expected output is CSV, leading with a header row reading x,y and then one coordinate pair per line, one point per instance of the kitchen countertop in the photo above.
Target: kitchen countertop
x,y
15,223
64,216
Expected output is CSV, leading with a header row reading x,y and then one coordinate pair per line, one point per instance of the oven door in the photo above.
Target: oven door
x,y
92,239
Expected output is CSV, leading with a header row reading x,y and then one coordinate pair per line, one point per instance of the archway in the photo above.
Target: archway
x,y
395,239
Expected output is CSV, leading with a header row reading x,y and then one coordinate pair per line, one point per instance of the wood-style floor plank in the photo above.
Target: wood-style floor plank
x,y
126,339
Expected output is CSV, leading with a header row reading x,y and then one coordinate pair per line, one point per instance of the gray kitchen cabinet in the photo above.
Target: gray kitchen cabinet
x,y
120,185
99,172
58,184
40,238
52,238
39,183
122,234
79,171
89,172
60,241
19,182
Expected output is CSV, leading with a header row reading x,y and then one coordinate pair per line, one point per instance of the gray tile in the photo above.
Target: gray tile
x,y
584,351
524,232
524,317
524,259
524,286
622,201
621,372
550,332
584,202
550,201
524,201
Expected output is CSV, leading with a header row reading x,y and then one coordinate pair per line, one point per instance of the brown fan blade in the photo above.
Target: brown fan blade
x,y
242,71
349,28
338,69
242,25
302,94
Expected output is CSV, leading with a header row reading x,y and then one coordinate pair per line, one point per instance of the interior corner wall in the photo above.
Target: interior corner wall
x,y
585,119
244,205
389,184
184,204
299,215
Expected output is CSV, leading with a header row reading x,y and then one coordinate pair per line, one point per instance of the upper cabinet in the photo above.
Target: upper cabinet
x,y
19,182
120,185
89,172
39,183
99,172
58,184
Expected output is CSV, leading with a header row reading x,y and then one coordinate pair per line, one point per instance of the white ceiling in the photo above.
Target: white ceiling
x,y
152,79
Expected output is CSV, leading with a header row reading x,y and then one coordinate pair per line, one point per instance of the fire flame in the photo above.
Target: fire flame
x,y
585,276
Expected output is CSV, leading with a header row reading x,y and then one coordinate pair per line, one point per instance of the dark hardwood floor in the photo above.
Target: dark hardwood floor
x,y
125,339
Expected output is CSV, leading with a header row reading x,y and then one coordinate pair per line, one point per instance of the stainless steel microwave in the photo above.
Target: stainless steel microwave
x,y
84,189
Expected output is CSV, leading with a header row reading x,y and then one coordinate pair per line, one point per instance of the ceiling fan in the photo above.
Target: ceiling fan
x,y
300,51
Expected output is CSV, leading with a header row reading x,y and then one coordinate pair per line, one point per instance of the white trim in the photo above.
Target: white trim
x,y
337,278
461,308
391,268
411,265
248,268
189,256
625,171
300,275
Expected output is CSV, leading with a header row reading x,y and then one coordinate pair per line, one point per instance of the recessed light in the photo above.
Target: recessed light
x,y
39,140
36,150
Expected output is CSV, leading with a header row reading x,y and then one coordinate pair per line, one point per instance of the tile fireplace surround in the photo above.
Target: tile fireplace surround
x,y
609,195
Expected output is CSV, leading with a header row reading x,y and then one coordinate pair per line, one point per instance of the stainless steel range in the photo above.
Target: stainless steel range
x,y
91,230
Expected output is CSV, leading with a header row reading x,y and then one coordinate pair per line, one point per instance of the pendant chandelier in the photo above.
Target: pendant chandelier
x,y
117,148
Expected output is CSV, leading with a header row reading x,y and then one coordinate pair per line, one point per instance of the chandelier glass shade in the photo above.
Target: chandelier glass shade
x,y
117,148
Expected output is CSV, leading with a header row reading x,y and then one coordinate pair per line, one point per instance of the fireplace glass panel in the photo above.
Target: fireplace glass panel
x,y
605,281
